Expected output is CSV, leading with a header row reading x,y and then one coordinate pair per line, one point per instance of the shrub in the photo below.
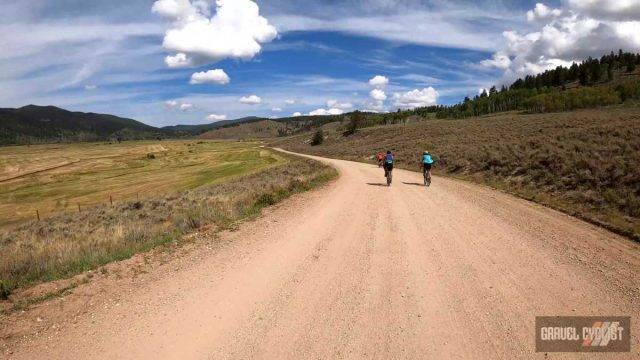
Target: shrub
x,y
4,291
318,138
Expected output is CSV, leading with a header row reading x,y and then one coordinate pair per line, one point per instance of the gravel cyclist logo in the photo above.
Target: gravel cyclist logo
x,y
583,334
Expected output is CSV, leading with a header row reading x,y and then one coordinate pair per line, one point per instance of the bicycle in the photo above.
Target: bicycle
x,y
389,177
427,177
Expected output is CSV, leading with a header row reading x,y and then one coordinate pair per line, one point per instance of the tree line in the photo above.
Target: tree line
x,y
594,82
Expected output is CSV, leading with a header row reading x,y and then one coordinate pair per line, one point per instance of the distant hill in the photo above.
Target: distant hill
x,y
32,124
203,128
247,130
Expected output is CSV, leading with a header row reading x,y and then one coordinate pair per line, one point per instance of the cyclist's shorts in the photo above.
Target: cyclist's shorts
x,y
388,166
426,166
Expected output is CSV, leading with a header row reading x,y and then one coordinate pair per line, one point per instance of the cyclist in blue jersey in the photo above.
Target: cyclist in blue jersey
x,y
388,163
427,163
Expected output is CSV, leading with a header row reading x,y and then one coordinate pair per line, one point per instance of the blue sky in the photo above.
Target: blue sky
x,y
286,57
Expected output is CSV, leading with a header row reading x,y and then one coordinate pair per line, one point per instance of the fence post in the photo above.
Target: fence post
x,y
111,200
78,207
38,214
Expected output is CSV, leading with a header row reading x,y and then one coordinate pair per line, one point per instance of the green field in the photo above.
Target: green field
x,y
57,178
161,191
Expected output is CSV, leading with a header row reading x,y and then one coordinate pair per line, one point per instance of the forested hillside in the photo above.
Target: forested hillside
x,y
35,124
609,80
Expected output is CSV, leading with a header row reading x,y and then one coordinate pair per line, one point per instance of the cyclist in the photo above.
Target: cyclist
x,y
427,163
388,163
379,158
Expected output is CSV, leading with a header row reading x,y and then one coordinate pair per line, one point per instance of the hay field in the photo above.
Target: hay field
x,y
54,179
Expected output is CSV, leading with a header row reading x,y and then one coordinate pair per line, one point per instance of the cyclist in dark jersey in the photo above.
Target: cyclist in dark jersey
x,y
388,163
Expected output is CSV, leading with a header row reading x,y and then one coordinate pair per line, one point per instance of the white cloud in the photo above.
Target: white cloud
x,y
90,87
217,76
326,112
296,114
182,106
379,81
338,105
289,102
542,12
175,9
276,109
499,60
416,98
215,117
441,24
607,9
236,30
584,28
186,107
378,95
179,60
251,100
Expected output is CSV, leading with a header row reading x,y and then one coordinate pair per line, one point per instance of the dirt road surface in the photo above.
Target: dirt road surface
x,y
359,270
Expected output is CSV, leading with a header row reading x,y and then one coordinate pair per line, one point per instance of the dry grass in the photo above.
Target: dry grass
x,y
584,163
57,178
67,244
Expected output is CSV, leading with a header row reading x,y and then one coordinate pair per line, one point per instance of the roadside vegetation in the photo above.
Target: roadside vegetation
x,y
584,162
70,242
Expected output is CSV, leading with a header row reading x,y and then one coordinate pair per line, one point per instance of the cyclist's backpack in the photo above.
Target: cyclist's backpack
x,y
389,159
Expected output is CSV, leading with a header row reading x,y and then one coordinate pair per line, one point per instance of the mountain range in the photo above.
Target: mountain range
x,y
41,124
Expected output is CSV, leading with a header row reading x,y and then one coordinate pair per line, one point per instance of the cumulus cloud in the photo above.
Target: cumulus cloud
x,y
178,60
542,12
215,117
326,112
378,95
186,107
182,106
217,76
251,100
379,81
289,102
607,9
583,28
236,31
276,109
416,98
296,114
499,60
338,105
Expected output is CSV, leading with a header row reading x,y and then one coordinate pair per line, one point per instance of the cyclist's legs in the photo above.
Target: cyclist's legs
x,y
426,169
387,169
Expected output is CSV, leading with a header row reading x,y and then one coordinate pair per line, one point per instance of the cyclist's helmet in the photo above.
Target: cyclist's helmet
x,y
388,152
425,152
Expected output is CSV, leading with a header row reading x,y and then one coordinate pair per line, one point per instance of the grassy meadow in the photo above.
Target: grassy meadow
x,y
57,178
182,186
584,162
